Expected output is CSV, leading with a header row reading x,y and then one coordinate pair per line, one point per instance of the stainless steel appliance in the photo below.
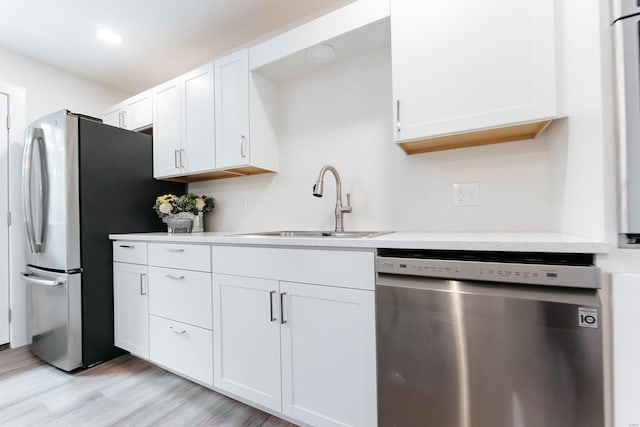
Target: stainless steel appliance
x,y
626,26
488,339
81,181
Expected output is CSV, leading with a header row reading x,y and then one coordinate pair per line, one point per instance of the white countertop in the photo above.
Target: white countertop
x,y
515,242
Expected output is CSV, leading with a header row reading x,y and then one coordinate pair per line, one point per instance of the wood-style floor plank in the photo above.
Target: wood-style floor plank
x,y
126,391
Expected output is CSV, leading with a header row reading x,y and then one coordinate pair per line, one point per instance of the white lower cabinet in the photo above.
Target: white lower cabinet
x,y
183,348
131,314
180,312
281,330
328,355
305,350
247,338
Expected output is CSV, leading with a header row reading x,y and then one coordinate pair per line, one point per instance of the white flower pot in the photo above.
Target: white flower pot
x,y
179,223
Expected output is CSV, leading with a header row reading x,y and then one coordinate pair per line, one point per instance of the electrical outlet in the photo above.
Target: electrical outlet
x,y
467,194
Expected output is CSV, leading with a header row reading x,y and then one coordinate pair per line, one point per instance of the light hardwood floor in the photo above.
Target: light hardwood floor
x,y
125,391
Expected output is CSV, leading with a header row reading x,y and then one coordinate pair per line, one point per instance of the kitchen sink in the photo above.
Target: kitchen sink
x,y
316,233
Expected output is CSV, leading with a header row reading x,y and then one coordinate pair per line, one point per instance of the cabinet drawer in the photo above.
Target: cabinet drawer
x,y
182,348
130,252
181,295
187,257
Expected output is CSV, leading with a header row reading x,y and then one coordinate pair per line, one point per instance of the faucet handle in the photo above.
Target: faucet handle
x,y
347,209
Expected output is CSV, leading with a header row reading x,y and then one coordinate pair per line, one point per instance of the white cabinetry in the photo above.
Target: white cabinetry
x,y
232,109
305,348
180,336
134,113
130,289
247,338
470,73
183,132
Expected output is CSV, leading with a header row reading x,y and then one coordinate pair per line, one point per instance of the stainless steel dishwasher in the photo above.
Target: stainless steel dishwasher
x,y
488,339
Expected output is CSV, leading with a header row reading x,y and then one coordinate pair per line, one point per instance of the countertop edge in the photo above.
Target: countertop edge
x,y
509,242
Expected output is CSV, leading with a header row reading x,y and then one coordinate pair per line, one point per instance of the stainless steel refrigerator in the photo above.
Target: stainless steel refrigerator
x,y
82,180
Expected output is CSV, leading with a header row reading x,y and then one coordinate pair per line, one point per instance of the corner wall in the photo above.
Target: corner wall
x,y
50,89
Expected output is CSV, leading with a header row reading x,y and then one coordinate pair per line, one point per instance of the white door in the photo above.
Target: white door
x,y
131,308
198,137
328,355
232,110
166,129
246,338
467,65
4,211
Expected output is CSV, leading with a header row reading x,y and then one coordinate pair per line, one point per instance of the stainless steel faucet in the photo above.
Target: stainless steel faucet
x,y
318,188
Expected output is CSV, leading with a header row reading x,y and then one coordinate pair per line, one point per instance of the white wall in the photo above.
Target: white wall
x,y
50,89
342,116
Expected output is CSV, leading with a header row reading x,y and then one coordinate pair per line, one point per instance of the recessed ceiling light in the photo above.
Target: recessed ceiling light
x,y
109,36
321,53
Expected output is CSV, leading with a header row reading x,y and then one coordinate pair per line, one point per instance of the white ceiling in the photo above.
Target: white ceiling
x,y
162,38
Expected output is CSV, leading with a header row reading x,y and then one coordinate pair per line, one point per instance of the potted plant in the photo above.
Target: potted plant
x,y
185,213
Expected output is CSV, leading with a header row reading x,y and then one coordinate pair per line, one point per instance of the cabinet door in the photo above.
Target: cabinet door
x,y
328,355
167,130
246,331
198,138
131,309
465,65
232,110
139,113
113,117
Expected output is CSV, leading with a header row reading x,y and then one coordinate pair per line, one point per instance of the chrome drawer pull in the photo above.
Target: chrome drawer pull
x,y
127,246
171,276
176,331
176,250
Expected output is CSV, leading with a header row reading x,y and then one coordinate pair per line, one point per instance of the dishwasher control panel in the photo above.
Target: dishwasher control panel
x,y
532,274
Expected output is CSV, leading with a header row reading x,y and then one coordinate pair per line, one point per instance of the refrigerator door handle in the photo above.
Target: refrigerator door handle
x,y
32,280
36,137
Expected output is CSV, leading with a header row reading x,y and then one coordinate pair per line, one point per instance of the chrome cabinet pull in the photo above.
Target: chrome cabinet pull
x,y
119,119
398,115
176,250
127,246
177,331
171,276
271,318
124,119
243,150
282,319
142,280
175,159
181,157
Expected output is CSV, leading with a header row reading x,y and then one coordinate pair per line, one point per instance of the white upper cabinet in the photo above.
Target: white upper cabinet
x,y
470,73
183,132
167,130
134,113
232,110
198,137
